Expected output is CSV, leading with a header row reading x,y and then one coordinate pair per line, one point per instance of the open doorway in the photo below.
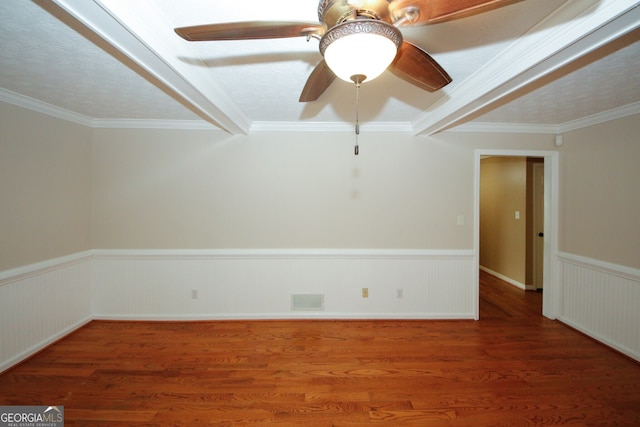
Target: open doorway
x,y
530,234
511,234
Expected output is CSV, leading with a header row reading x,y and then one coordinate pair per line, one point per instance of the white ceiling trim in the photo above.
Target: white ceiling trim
x,y
44,108
80,119
492,127
79,92
561,38
200,80
605,116
61,113
70,116
330,127
153,124
100,21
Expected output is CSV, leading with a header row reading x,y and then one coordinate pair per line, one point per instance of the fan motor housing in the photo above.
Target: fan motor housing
x,y
333,12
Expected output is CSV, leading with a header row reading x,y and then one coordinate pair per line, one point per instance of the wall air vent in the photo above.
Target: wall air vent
x,y
307,302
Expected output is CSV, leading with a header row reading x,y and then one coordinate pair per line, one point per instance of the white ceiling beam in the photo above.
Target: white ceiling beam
x,y
566,35
213,102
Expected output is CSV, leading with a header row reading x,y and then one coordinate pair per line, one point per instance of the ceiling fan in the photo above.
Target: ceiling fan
x,y
359,39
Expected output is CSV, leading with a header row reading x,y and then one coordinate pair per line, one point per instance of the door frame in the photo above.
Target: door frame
x,y
537,264
551,297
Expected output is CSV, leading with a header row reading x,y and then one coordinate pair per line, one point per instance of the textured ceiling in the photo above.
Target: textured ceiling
x,y
530,63
607,79
48,56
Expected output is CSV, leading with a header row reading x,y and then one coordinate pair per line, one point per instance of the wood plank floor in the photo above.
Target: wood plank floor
x,y
511,368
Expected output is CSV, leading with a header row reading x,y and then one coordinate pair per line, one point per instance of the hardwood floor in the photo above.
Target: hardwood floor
x,y
499,300
511,368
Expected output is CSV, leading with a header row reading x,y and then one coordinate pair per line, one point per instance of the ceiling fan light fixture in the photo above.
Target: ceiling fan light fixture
x,y
360,47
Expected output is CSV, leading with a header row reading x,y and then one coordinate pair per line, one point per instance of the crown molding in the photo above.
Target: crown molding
x,y
61,113
153,124
495,127
32,104
605,116
485,127
73,117
302,126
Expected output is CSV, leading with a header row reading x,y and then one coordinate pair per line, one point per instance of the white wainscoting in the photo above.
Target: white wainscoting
x,y
258,284
41,303
602,300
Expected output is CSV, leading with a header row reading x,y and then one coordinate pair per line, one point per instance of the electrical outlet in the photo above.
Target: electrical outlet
x,y
399,293
194,294
365,292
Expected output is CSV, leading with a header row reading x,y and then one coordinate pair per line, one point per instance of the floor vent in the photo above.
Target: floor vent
x,y
307,302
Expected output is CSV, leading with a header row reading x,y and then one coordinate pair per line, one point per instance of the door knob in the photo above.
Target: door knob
x,y
540,234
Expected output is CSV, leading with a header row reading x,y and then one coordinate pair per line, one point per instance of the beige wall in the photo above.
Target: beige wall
x,y
503,191
600,192
196,189
200,189
45,187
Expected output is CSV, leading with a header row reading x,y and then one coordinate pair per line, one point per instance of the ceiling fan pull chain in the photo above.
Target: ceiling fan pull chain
x,y
357,79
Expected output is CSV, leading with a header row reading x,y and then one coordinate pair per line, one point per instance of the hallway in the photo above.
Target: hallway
x,y
500,300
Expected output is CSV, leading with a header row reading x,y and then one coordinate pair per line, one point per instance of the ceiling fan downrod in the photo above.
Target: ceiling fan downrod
x,y
358,79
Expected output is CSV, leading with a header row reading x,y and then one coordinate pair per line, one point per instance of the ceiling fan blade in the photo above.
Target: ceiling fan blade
x,y
250,30
434,11
320,79
417,67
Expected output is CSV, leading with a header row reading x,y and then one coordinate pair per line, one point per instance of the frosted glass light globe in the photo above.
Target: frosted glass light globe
x,y
360,47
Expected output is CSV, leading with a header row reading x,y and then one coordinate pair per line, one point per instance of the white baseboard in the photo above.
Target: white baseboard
x,y
502,277
292,316
634,354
